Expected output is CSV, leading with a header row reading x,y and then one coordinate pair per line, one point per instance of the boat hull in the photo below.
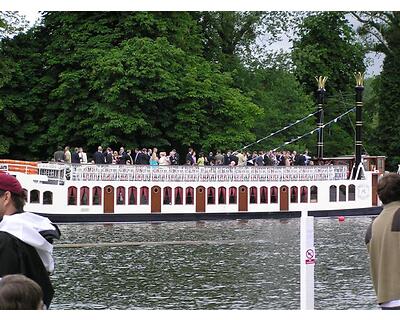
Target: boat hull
x,y
176,217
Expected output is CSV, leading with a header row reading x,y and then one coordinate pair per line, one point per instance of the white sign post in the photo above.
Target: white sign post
x,y
307,261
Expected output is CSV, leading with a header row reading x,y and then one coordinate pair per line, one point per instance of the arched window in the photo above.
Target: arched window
x,y
132,195
253,194
25,195
352,192
84,197
72,196
274,195
144,195
314,194
294,191
342,193
167,198
189,195
211,195
263,195
303,194
47,197
232,195
35,196
332,193
121,195
96,196
178,195
221,195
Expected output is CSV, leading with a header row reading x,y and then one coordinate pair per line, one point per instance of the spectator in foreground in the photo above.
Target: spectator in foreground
x,y
26,239
383,244
18,292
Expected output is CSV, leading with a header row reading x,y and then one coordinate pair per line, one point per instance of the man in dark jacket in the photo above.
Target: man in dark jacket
x,y
25,238
108,156
143,158
59,155
75,156
98,156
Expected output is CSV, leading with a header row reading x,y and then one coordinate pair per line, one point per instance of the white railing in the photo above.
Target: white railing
x,y
92,172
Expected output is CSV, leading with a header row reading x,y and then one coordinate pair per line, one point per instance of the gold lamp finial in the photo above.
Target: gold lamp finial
x,y
321,82
359,79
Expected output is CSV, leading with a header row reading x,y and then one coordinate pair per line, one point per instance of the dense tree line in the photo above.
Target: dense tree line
x,y
175,79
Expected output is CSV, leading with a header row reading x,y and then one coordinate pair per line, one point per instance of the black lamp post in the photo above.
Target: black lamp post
x,y
321,92
358,141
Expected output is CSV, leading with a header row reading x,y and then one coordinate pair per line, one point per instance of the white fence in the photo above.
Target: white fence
x,y
92,172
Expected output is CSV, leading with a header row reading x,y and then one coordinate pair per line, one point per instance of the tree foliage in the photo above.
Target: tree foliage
x,y
381,33
327,46
135,79
174,79
12,23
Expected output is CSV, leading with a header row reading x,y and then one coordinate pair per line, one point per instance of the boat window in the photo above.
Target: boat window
x,y
121,195
25,195
34,196
332,193
294,194
381,165
144,195
221,195
232,195
303,194
47,197
253,194
167,199
211,195
178,195
96,199
132,195
274,195
189,195
263,195
342,193
352,192
72,196
84,200
314,194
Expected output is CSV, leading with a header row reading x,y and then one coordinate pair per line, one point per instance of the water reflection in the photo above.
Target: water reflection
x,y
210,265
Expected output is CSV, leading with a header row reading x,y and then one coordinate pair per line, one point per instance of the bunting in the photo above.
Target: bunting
x,y
279,131
338,118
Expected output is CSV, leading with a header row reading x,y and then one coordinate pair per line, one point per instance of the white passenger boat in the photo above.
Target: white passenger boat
x,y
123,193
120,193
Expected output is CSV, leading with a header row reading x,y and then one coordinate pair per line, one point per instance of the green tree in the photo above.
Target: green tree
x,y
381,33
137,79
327,46
12,23
284,102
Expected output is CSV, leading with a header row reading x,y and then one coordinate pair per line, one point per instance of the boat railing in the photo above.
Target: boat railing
x,y
92,172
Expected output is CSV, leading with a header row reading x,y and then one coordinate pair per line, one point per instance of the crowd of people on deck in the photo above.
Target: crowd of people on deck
x,y
153,157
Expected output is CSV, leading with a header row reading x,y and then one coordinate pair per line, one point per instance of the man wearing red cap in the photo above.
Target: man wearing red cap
x,y
25,238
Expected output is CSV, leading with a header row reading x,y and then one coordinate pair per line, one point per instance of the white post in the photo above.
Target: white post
x,y
307,261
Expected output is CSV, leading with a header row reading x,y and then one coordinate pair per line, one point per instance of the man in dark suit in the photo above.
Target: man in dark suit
x,y
98,156
75,156
109,157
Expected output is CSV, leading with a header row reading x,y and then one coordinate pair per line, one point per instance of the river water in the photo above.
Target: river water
x,y
210,265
